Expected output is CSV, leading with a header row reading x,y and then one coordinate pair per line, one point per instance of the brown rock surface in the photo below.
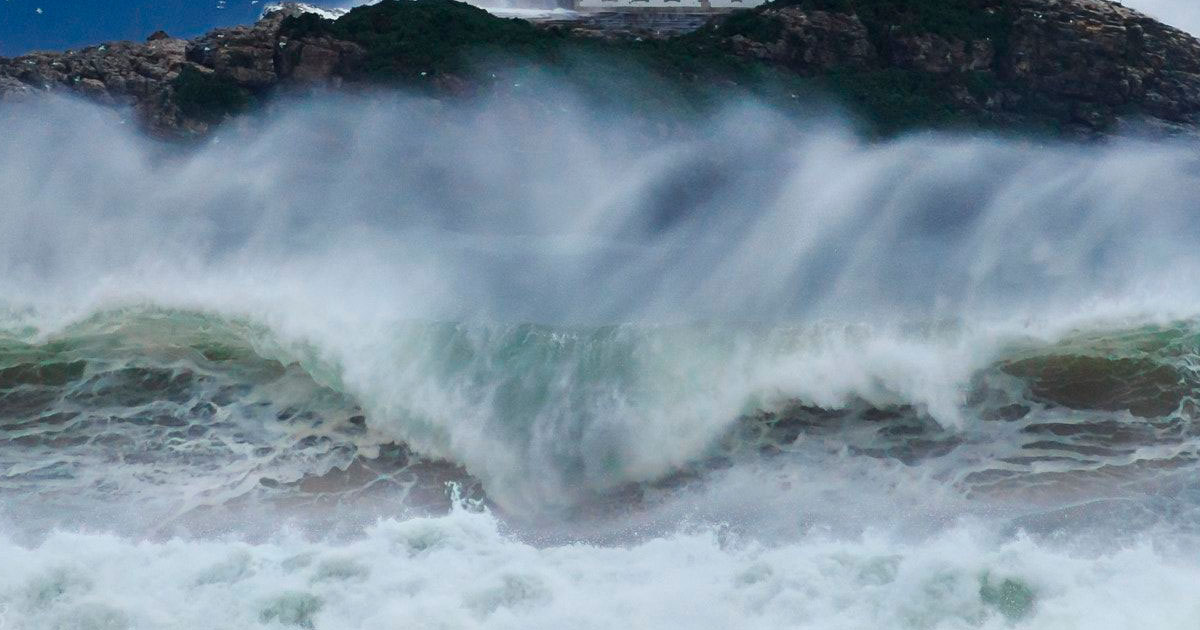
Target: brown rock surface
x,y
811,41
1100,58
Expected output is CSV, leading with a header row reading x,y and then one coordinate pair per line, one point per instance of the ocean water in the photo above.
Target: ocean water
x,y
385,362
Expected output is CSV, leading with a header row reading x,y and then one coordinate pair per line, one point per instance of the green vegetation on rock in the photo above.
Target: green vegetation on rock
x,y
895,98
208,96
414,42
412,39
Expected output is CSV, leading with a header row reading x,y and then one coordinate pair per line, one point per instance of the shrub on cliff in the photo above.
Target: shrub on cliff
x,y
208,96
410,39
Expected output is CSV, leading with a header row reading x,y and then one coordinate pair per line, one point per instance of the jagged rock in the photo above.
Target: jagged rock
x,y
141,76
1087,63
11,89
317,59
1083,62
1101,58
244,53
122,73
939,55
810,41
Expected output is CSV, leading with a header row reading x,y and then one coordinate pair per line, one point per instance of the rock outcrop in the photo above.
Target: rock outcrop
x,y
1079,64
245,54
1086,63
810,41
144,76
1100,59
136,75
317,59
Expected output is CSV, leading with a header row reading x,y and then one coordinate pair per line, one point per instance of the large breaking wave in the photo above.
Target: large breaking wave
x,y
753,342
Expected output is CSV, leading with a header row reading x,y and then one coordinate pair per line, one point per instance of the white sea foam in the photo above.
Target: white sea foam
x,y
459,571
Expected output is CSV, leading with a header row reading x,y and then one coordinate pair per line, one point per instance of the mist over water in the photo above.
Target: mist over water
x,y
936,382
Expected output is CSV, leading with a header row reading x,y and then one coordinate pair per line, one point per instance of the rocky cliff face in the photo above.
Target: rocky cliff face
x,y
809,41
138,75
251,60
1086,63
1080,63
1098,60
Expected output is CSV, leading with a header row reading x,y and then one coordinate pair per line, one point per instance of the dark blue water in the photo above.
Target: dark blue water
x,y
65,24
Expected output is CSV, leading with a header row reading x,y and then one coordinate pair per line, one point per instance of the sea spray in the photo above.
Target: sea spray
x,y
936,382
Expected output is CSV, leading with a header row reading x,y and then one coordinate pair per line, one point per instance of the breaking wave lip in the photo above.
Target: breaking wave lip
x,y
403,287
568,418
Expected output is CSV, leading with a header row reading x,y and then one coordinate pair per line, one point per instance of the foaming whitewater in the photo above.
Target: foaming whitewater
x,y
516,363
458,571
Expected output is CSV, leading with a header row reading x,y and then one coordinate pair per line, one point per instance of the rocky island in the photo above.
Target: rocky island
x,y
1076,67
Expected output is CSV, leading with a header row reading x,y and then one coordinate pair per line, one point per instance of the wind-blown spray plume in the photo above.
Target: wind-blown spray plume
x,y
811,381
448,266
